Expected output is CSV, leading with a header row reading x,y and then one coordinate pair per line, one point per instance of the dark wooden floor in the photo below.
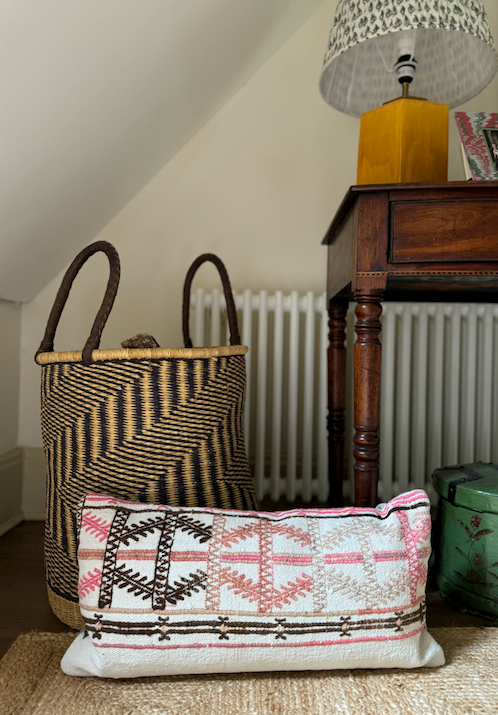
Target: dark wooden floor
x,y
23,595
24,604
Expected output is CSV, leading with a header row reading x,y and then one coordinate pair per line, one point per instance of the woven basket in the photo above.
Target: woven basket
x,y
152,425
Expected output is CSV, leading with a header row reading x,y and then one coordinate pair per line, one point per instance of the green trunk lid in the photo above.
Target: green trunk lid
x,y
474,486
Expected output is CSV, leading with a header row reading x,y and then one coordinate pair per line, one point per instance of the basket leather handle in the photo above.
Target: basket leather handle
x,y
227,289
93,342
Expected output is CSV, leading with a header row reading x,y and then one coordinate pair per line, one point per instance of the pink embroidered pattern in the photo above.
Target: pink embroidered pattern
x,y
240,584
308,644
213,564
318,567
241,533
265,567
94,525
415,535
89,582
224,575
293,533
292,591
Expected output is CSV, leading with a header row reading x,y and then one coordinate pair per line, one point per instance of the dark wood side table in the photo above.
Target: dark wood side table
x,y
397,242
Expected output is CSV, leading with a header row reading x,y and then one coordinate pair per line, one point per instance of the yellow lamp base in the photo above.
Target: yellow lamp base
x,y
404,141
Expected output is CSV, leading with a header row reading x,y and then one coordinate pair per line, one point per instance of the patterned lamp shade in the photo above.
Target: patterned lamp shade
x,y
453,47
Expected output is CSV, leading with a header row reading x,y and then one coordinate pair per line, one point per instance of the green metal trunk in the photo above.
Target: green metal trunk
x,y
466,536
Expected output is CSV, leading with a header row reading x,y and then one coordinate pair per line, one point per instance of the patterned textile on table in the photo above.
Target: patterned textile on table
x,y
176,590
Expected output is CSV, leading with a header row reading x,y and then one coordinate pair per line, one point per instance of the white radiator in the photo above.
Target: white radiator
x,y
439,395
286,397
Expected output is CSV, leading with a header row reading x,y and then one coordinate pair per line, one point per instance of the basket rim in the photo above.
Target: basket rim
x,y
115,355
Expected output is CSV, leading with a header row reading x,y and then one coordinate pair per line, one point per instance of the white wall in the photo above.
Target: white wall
x,y
97,96
10,456
259,185
10,332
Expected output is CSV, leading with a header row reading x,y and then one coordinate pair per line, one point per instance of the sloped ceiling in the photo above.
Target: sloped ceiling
x,y
97,95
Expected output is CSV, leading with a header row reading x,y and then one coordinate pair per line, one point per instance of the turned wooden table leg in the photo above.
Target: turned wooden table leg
x,y
336,397
367,360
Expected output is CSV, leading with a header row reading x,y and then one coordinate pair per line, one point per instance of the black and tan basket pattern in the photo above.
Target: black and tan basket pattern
x,y
150,425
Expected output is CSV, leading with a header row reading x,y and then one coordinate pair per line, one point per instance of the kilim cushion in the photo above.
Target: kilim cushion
x,y
175,590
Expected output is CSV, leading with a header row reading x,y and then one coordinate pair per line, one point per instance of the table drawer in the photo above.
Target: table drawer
x,y
451,231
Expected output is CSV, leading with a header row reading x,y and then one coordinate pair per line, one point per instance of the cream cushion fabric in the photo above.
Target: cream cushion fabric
x,y
173,590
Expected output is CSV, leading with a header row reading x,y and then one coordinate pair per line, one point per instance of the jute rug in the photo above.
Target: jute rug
x,y
31,683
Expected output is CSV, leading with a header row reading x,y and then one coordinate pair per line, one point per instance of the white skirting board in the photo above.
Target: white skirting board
x,y
11,479
22,486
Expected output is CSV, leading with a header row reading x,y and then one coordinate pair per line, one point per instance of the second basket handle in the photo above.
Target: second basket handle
x,y
227,289
93,342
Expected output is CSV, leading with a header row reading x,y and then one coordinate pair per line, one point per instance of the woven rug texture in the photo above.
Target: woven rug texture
x,y
32,683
